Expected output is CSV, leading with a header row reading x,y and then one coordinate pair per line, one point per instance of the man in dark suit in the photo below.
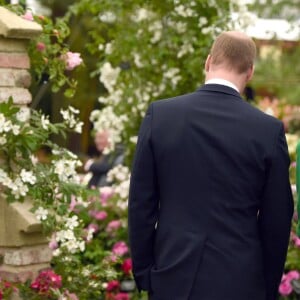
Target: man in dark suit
x,y
210,203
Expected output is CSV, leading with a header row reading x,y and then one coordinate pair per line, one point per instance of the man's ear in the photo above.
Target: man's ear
x,y
207,63
250,73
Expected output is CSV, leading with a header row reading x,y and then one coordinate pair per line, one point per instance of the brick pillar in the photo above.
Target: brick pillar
x,y
23,248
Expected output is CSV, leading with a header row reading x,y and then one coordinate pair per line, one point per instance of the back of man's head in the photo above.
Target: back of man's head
x,y
234,51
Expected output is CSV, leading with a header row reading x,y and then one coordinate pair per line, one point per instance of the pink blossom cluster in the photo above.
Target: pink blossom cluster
x,y
46,281
295,239
120,248
285,287
72,60
113,291
98,215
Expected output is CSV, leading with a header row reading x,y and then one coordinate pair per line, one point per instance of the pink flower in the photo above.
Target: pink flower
x,y
292,275
120,248
113,225
28,16
46,281
293,164
74,204
72,60
98,215
40,46
105,193
53,244
295,239
93,227
71,296
122,296
285,288
113,285
127,266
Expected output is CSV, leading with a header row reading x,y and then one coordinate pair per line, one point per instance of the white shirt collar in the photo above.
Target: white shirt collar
x,y
222,82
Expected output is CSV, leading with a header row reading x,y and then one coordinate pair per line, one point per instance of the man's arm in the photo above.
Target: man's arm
x,y
143,206
275,216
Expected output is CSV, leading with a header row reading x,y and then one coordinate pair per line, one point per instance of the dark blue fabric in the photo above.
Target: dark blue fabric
x,y
210,204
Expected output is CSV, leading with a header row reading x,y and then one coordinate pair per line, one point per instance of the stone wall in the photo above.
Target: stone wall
x,y
23,248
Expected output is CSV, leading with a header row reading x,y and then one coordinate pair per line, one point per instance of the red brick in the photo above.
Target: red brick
x,y
14,60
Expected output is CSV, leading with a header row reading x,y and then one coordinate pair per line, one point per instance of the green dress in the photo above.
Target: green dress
x,y
298,185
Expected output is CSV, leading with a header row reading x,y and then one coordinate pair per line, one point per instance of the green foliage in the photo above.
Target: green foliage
x,y
283,80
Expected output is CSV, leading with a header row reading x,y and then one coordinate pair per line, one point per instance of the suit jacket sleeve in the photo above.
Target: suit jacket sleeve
x,y
143,206
275,216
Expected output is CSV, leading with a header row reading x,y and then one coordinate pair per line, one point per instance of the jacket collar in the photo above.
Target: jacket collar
x,y
219,89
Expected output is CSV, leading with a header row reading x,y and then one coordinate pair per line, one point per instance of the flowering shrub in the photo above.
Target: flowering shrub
x,y
6,289
49,54
150,51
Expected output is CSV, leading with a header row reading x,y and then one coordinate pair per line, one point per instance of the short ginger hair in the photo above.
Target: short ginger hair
x,y
233,50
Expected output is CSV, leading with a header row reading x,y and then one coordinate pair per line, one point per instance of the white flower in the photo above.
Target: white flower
x,y
6,125
109,76
137,60
65,235
207,30
156,28
56,252
118,173
74,110
133,139
184,11
107,17
27,176
72,222
45,122
23,114
41,214
3,140
123,188
18,188
202,21
90,233
142,14
86,272
108,48
104,285
185,49
66,169
34,159
107,119
78,127
15,129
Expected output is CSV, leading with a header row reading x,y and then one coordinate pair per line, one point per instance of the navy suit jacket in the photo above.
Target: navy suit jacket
x,y
210,203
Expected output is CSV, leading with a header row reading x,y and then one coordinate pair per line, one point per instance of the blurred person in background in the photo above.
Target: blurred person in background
x,y
100,165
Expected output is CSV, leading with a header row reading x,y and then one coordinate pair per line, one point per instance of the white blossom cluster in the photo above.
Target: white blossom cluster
x,y
71,120
18,185
41,213
23,114
142,14
120,176
66,169
118,173
108,120
109,76
67,239
7,126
